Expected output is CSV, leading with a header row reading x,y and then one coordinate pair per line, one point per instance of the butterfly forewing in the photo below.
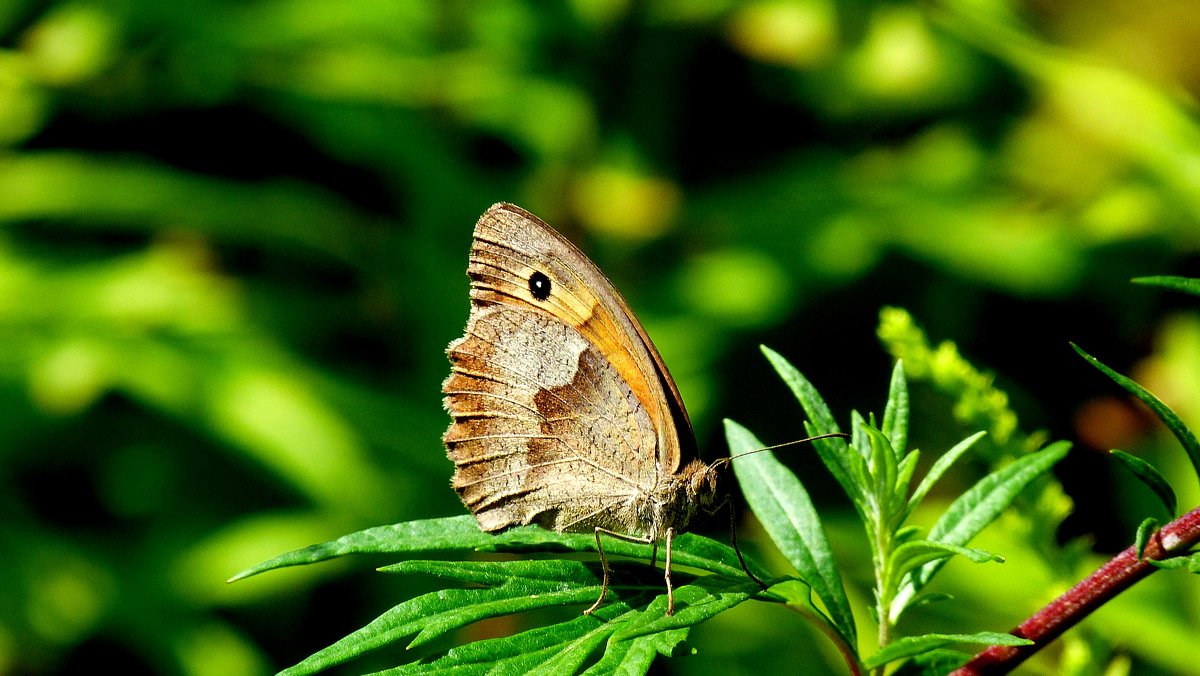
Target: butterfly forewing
x,y
562,411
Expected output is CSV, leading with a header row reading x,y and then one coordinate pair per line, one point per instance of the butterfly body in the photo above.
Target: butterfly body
x,y
563,413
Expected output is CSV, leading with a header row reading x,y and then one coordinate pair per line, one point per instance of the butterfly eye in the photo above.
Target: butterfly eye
x,y
539,285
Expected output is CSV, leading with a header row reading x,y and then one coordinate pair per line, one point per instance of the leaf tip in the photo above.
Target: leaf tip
x,y
249,572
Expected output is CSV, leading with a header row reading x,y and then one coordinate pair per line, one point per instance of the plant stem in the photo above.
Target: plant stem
x,y
847,651
1114,577
884,594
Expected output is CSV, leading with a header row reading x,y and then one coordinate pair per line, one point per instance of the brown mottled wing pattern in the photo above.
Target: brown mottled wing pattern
x,y
563,414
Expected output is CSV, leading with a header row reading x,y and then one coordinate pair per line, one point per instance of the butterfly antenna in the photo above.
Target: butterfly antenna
x,y
831,435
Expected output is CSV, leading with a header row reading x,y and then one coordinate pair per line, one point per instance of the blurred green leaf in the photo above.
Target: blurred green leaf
x,y
1182,284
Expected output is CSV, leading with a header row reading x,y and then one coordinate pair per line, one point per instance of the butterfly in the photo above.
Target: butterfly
x,y
563,413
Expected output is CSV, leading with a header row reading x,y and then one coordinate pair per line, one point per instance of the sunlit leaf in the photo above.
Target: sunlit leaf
x,y
939,468
788,515
915,645
895,415
916,553
832,452
977,507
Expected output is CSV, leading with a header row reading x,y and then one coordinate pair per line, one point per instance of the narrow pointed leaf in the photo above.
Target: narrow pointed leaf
x,y
521,585
820,421
527,584
904,472
936,661
915,645
1190,562
458,533
462,534
536,573
569,657
634,656
858,435
883,465
1147,474
939,468
782,504
818,412
1184,284
914,554
434,614
694,603
895,415
976,508
1164,412
982,503
529,651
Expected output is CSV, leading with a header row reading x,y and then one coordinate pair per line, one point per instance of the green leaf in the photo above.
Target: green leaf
x,y
1184,284
431,615
782,504
833,452
537,650
1189,561
1145,531
518,586
898,507
1147,474
635,656
939,468
915,645
521,585
895,415
976,508
937,661
860,470
883,467
461,534
904,534
458,533
905,471
914,554
926,598
858,435
1164,412
982,503
694,603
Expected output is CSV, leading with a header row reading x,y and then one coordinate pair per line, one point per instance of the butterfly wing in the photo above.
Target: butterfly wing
x,y
563,413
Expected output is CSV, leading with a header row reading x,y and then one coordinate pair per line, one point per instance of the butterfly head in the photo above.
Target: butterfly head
x,y
700,484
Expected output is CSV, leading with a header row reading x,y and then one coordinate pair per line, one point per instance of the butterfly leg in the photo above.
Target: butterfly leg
x,y
604,570
642,540
667,574
737,550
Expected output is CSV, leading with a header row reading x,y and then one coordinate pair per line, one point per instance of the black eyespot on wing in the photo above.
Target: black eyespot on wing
x,y
539,285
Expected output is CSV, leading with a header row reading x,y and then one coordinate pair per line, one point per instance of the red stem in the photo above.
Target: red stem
x,y
1114,577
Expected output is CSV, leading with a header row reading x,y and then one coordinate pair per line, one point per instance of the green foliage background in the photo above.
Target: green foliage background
x,y
234,235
